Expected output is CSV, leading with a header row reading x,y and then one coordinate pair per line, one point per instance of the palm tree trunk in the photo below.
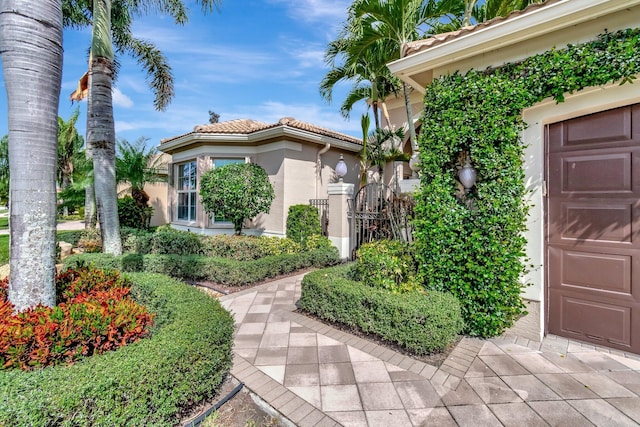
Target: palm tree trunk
x,y
31,46
412,129
101,142
101,136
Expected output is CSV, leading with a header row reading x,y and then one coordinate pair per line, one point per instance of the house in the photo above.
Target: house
x,y
299,159
582,166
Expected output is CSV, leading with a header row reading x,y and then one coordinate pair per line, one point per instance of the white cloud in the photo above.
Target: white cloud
x,y
120,99
316,10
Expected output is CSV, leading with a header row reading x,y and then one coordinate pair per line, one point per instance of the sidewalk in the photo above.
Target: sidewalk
x,y
67,225
315,375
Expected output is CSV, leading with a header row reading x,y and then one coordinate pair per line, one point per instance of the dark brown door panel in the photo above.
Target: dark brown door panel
x,y
593,228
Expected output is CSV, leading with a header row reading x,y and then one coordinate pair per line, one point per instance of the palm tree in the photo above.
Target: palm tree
x,y
31,46
69,148
398,22
100,122
372,79
138,166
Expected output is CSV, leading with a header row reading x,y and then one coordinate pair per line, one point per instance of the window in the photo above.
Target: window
x,y
186,185
218,163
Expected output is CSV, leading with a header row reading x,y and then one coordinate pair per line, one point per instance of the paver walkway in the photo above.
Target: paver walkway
x,y
315,375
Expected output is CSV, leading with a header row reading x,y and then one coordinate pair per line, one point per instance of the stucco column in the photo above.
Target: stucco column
x,y
338,229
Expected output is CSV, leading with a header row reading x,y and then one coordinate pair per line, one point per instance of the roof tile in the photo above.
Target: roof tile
x,y
248,126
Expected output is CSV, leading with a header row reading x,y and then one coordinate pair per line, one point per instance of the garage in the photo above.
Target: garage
x,y
592,214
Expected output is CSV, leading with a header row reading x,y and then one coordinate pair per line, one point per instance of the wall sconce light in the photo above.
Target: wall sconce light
x,y
467,176
341,168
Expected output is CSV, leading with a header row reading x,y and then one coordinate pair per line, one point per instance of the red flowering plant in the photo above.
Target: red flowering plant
x,y
94,314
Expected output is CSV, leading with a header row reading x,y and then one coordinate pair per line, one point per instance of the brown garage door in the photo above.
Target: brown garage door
x,y
593,226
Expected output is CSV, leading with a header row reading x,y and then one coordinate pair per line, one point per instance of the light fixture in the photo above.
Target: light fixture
x,y
341,168
467,176
414,162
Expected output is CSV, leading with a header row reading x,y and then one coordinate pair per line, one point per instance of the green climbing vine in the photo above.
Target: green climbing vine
x,y
473,246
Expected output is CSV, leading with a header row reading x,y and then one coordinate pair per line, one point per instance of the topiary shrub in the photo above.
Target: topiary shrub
x,y
386,264
237,191
420,322
167,240
153,382
132,214
302,222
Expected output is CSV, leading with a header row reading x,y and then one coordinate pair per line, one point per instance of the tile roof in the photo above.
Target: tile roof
x,y
248,126
420,45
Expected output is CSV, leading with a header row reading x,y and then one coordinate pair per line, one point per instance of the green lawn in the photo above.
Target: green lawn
x,y
4,223
4,248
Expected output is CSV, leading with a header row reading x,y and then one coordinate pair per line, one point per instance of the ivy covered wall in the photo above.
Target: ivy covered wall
x,y
473,245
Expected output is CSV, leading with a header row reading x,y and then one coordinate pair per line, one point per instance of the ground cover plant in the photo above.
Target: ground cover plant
x,y
154,381
421,322
472,245
94,313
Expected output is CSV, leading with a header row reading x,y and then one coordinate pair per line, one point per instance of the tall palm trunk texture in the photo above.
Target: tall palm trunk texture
x,y
101,141
31,49
101,138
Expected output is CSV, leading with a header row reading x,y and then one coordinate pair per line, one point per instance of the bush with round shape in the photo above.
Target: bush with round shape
x,y
237,191
152,382
386,264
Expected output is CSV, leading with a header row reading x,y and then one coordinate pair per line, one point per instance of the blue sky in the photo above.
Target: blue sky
x,y
252,59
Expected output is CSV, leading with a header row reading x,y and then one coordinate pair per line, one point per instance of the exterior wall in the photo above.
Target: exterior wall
x,y
158,200
291,167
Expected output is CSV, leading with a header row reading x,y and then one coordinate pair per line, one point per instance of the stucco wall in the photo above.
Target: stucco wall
x,y
292,170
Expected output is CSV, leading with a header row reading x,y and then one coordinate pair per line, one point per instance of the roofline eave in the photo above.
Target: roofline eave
x,y
554,17
255,137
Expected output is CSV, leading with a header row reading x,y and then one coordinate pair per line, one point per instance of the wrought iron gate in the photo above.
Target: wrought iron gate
x,y
376,213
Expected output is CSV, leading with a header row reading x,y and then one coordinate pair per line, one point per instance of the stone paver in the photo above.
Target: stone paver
x,y
315,375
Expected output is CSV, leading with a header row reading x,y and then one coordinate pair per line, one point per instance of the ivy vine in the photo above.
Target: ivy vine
x,y
476,249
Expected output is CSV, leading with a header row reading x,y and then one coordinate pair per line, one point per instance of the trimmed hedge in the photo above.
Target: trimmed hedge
x,y
302,221
219,270
421,323
152,382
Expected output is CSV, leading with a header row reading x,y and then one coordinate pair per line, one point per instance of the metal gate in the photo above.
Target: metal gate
x,y
376,213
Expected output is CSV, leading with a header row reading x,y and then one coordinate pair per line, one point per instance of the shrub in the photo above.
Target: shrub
x,y
316,241
221,270
93,314
386,264
302,222
236,191
420,322
132,214
90,241
152,382
136,240
241,248
278,246
167,240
